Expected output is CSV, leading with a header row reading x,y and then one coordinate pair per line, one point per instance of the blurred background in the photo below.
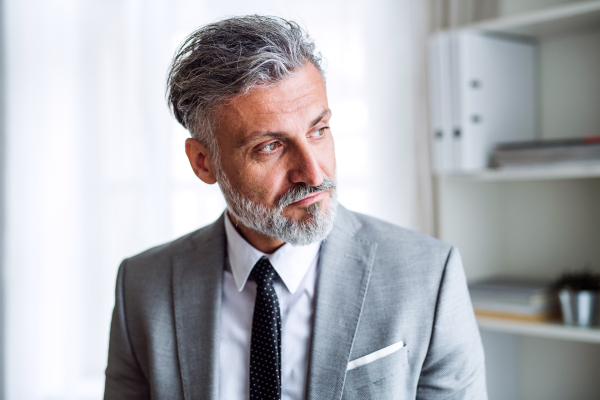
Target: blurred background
x,y
93,168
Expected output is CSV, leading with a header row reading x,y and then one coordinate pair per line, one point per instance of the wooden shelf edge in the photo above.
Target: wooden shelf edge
x,y
546,330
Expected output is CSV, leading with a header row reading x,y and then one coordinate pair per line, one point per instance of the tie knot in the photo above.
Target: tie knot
x,y
263,272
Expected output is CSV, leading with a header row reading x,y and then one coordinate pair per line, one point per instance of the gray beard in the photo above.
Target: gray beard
x,y
271,222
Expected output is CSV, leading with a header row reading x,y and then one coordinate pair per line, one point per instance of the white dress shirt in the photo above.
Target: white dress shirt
x,y
295,288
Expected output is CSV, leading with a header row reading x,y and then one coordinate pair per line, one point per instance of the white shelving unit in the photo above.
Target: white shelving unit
x,y
557,20
537,221
549,172
544,330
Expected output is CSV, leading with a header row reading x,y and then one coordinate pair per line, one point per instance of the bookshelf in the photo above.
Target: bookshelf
x,y
537,221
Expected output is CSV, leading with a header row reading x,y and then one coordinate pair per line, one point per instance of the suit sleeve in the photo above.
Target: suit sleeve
x,y
124,377
454,365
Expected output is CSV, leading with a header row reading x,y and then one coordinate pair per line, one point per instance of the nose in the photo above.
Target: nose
x,y
305,166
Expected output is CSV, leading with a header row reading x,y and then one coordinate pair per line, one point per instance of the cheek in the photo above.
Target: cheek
x,y
327,156
257,182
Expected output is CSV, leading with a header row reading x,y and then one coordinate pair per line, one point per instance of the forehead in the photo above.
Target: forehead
x,y
290,101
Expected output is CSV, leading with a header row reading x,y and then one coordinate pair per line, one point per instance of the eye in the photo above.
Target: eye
x,y
319,132
269,148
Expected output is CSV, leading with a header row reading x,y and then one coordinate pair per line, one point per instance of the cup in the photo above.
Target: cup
x,y
578,307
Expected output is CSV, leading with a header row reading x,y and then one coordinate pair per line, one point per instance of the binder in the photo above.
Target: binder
x,y
497,95
483,93
441,102
455,102
435,105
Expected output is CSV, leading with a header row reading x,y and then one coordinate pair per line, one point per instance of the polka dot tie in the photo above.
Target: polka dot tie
x,y
265,343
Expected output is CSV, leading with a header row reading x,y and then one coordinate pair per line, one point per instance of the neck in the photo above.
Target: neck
x,y
259,241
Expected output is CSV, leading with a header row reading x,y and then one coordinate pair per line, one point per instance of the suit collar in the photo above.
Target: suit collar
x,y
344,271
197,292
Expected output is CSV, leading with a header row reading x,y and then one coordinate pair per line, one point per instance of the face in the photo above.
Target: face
x,y
277,152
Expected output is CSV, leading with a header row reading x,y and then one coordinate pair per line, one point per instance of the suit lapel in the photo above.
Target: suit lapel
x,y
197,290
344,271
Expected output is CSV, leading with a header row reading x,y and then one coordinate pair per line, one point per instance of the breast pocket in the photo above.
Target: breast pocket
x,y
384,378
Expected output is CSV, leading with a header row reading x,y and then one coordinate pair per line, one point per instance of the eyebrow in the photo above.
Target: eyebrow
x,y
277,135
324,114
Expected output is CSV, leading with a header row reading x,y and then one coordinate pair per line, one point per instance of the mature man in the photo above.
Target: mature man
x,y
287,295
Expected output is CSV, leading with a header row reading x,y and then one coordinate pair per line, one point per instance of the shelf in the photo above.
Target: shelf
x,y
550,21
546,330
545,172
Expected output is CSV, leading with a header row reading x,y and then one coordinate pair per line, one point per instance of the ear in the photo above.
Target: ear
x,y
200,160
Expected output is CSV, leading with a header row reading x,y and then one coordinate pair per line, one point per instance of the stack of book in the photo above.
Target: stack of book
x,y
546,152
515,298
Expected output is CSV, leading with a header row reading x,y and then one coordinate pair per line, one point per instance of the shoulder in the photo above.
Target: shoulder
x,y
156,261
402,256
393,238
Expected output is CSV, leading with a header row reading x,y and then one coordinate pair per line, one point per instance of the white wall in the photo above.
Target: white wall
x,y
510,7
570,85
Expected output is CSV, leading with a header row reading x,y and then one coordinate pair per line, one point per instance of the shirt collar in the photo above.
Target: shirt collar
x,y
290,262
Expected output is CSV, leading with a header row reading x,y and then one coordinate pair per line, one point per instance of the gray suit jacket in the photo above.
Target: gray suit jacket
x,y
378,284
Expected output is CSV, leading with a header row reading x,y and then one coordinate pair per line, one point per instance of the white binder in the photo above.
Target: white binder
x,y
483,92
435,106
441,100
496,94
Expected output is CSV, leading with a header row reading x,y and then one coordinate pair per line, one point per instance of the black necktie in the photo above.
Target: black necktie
x,y
265,343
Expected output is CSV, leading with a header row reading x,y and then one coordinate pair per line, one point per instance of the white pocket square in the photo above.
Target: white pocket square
x,y
369,358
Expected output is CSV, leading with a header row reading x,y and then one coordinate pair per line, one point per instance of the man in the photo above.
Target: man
x,y
287,295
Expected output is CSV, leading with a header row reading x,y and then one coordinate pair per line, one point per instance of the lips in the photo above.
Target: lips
x,y
311,198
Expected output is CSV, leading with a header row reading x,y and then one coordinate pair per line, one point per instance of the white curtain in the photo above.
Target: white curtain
x,y
96,169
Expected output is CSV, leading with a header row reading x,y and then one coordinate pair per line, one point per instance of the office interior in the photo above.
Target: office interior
x,y
93,168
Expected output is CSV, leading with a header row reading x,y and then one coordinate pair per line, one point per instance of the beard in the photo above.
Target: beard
x,y
271,222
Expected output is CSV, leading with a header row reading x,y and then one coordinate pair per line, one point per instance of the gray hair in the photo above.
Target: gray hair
x,y
228,58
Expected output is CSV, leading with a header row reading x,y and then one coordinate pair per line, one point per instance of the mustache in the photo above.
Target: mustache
x,y
301,190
